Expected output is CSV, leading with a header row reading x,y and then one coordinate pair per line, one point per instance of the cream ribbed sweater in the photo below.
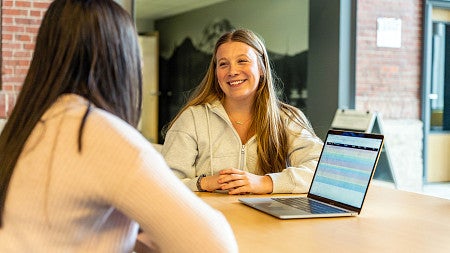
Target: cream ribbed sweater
x,y
60,200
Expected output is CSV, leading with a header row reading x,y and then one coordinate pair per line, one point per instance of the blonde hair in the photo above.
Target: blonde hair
x,y
269,127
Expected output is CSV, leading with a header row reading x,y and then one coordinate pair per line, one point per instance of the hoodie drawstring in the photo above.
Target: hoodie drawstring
x,y
210,144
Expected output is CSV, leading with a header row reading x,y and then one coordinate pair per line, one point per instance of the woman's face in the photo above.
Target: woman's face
x,y
237,70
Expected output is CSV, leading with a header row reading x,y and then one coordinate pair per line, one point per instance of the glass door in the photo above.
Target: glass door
x,y
436,118
439,76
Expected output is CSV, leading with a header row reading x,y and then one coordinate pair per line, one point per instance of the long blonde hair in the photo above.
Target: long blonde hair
x,y
269,127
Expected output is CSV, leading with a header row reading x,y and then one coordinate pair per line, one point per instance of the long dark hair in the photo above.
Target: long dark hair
x,y
84,47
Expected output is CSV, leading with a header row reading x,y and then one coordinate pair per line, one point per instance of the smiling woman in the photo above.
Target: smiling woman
x,y
234,132
191,34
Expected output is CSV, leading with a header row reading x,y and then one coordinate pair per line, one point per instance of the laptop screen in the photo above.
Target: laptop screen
x,y
346,166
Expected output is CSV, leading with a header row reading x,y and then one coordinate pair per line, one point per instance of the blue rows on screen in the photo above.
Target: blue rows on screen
x,y
345,168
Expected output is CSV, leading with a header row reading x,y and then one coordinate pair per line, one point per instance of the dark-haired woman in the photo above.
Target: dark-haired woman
x,y
75,174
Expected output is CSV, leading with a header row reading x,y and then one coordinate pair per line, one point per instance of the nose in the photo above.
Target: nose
x,y
233,70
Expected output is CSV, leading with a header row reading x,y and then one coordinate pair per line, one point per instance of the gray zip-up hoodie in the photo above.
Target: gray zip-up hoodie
x,y
203,141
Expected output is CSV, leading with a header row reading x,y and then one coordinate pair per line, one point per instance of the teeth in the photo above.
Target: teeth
x,y
236,82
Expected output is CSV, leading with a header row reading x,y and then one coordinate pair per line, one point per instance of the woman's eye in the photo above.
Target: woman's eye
x,y
242,60
222,64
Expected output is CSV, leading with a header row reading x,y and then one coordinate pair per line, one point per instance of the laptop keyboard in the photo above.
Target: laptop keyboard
x,y
309,205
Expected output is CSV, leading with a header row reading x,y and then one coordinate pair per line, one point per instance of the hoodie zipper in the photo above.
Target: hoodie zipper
x,y
242,162
242,156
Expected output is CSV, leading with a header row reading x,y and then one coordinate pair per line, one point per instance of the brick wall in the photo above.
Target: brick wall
x,y
388,80
20,22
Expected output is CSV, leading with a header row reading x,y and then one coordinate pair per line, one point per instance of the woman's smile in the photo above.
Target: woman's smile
x,y
236,82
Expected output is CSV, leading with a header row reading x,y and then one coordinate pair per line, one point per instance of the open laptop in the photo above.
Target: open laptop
x,y
339,186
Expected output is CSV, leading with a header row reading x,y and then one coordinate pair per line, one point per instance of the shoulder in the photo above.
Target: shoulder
x,y
189,115
205,108
110,139
101,128
101,123
187,121
196,114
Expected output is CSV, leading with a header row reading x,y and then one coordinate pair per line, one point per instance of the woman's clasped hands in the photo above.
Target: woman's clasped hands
x,y
235,181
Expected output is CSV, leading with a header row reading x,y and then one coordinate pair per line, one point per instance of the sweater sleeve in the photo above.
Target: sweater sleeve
x,y
137,181
304,153
167,211
180,149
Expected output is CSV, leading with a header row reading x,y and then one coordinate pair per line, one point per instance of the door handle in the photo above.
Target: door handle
x,y
433,96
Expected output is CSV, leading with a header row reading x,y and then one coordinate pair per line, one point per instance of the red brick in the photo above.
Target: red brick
x,y
25,4
41,4
7,4
21,20
388,80
14,12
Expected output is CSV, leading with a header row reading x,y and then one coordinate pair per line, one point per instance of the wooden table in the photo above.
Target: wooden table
x,y
391,221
